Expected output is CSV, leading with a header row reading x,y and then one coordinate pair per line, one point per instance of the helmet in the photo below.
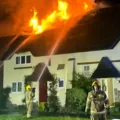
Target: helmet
x,y
28,87
95,83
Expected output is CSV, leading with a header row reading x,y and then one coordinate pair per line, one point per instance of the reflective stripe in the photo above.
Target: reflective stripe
x,y
28,101
28,115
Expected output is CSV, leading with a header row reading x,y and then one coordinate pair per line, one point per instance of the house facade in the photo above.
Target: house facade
x,y
62,65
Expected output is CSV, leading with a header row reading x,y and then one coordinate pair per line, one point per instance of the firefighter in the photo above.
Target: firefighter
x,y
29,100
97,103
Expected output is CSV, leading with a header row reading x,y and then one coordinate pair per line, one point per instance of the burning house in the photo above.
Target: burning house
x,y
79,44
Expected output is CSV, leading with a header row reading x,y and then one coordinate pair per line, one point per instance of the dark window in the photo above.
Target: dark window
x,y
22,59
14,86
17,60
86,68
19,86
61,84
61,66
49,62
28,59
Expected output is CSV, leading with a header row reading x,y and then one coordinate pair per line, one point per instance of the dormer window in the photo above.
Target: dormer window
x,y
23,59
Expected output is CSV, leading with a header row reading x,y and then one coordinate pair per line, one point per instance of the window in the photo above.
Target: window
x,y
86,68
28,59
49,62
14,87
23,59
61,66
61,83
17,87
17,60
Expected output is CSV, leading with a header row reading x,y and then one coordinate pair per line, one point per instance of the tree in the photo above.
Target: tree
x,y
82,82
53,100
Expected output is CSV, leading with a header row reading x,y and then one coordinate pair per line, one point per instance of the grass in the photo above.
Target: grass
x,y
18,117
21,117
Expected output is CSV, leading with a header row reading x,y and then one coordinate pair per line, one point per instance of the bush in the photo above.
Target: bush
x,y
75,100
53,100
42,106
4,95
116,104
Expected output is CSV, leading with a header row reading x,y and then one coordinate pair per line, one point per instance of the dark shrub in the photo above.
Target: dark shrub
x,y
4,95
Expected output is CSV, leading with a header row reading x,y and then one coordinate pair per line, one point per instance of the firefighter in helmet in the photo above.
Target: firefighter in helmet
x,y
29,100
97,103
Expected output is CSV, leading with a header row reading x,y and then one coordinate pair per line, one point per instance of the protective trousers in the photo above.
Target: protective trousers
x,y
29,109
98,116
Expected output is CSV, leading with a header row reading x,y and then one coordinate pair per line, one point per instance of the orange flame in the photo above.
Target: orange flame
x,y
60,14
85,6
47,23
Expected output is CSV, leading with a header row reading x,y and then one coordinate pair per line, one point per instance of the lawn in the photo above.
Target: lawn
x,y
21,117
18,117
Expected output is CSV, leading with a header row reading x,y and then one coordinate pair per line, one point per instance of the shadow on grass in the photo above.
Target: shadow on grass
x,y
52,114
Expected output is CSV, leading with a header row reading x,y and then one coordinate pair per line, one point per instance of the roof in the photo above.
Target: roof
x,y
93,32
46,76
105,69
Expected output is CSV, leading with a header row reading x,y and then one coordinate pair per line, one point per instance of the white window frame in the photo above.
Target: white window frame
x,y
17,87
20,56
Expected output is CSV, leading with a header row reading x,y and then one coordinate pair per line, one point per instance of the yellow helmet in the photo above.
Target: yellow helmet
x,y
95,83
28,87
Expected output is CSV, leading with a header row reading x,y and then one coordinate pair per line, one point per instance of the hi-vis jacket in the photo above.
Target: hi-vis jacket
x,y
29,96
96,102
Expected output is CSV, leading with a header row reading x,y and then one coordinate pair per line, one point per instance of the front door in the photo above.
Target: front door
x,y
42,91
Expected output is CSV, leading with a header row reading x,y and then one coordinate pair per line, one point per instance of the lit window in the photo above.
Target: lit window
x,y
28,59
61,83
17,60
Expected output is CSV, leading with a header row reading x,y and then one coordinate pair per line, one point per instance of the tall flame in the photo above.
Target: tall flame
x,y
47,23
60,13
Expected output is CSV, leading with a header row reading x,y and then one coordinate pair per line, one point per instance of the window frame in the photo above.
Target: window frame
x,y
21,60
59,83
20,56
84,68
16,87
26,59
